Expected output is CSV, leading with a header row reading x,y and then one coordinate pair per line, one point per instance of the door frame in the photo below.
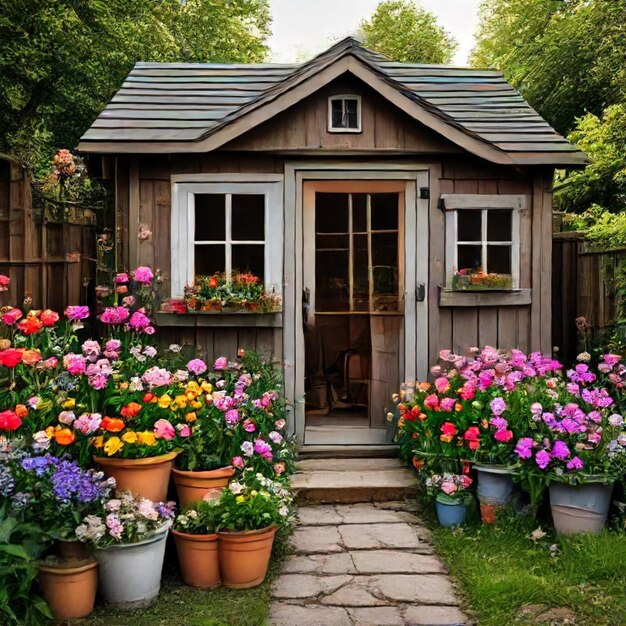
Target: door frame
x,y
416,266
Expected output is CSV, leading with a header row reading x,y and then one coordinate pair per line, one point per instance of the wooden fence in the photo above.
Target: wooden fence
x,y
48,258
582,287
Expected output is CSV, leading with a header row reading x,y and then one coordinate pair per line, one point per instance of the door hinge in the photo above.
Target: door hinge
x,y
420,292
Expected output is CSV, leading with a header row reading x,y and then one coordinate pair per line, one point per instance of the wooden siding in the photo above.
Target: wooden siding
x,y
304,127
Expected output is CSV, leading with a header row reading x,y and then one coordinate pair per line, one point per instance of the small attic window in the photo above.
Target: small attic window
x,y
344,114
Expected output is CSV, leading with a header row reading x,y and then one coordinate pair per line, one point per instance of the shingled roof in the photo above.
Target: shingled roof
x,y
197,107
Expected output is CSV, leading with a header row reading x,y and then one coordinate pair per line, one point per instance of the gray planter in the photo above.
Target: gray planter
x,y
130,574
581,508
495,484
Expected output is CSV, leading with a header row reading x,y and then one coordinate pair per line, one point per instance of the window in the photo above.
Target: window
x,y
226,227
482,242
344,114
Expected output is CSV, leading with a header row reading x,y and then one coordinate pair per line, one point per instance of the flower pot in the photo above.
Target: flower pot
x,y
245,556
143,477
198,559
130,574
72,550
69,591
193,486
581,508
489,512
451,514
495,484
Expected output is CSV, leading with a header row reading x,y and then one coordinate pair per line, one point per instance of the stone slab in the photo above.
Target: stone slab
x,y
369,514
319,515
316,540
319,564
358,593
348,464
379,536
377,616
415,588
355,479
306,586
434,616
395,562
283,614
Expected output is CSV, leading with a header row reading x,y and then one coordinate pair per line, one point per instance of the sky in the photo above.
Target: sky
x,y
302,28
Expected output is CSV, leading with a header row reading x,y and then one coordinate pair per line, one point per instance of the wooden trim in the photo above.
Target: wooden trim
x,y
227,178
357,186
451,298
455,201
134,202
224,320
347,96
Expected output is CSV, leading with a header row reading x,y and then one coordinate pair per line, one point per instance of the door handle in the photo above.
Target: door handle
x,y
420,292
306,305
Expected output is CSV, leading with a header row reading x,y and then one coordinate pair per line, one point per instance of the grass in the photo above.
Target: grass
x,y
178,604
507,578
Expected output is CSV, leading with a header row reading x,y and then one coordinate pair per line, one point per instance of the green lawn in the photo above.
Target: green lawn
x,y
178,604
507,578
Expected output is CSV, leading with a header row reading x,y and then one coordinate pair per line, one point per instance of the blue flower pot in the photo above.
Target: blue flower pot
x,y
580,509
495,485
451,514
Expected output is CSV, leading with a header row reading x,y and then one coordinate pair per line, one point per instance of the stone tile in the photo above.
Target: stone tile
x,y
340,563
370,514
368,536
409,504
316,539
418,588
348,464
350,479
282,614
377,616
323,514
356,594
395,562
295,586
434,616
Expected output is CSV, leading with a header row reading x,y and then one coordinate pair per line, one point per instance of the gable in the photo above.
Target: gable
x,y
304,127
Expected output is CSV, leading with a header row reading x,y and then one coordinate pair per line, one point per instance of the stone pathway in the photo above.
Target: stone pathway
x,y
363,564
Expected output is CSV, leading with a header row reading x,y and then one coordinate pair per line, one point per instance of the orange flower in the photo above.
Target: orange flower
x,y
422,417
191,417
131,409
30,324
458,407
64,436
417,463
21,410
423,387
148,397
113,424
30,357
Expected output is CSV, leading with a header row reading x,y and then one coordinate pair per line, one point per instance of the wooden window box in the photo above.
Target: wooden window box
x,y
484,297
219,318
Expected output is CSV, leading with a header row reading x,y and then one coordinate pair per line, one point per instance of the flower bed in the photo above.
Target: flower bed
x,y
78,410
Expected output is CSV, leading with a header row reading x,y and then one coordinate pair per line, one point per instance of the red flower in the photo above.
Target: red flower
x,y
10,357
213,282
30,325
10,315
9,420
131,409
4,282
112,424
49,318
448,428
471,436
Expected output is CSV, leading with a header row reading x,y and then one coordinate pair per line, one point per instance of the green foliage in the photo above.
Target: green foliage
x,y
62,61
566,57
406,32
199,518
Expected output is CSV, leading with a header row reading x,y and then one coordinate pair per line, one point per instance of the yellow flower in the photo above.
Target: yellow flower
x,y
208,387
193,387
181,401
97,442
70,403
254,492
164,401
264,494
113,445
123,385
130,437
240,499
146,438
50,432
191,417
196,405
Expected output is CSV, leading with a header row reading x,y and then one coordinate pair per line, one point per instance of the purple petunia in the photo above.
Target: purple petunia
x,y
524,447
560,450
575,463
542,459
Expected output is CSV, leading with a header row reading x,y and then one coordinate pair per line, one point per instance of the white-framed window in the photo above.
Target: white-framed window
x,y
226,227
344,114
482,241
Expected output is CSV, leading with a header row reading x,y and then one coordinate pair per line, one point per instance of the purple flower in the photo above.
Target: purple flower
x,y
75,313
498,406
575,463
231,416
197,366
499,423
560,450
37,464
524,447
542,458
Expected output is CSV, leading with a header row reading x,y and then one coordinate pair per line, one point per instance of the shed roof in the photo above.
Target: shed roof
x,y
197,107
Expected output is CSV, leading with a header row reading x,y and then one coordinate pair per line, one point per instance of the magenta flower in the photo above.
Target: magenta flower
x,y
163,429
139,320
197,366
524,447
543,459
183,430
122,278
442,384
237,462
249,426
74,363
143,275
560,450
503,435
231,417
447,404
75,313
220,364
114,315
575,463
499,423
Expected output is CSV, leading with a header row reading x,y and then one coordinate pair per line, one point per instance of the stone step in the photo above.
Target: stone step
x,y
310,451
353,480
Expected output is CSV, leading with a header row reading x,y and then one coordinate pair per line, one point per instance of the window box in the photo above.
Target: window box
x,y
199,319
465,280
486,297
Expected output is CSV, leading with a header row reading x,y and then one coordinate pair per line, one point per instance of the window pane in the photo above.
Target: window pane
x,y
385,271
332,241
469,223
351,120
384,211
331,281
359,212
248,217
499,225
361,287
249,258
499,259
336,113
210,259
331,212
469,257
210,217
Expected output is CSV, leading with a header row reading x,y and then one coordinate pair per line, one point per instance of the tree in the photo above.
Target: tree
x,y
406,32
567,57
62,61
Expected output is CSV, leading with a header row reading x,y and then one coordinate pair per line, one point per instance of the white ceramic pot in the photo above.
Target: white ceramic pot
x,y
130,574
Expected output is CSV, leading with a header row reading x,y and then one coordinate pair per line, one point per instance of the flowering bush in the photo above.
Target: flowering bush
x,y
52,493
125,519
448,488
200,518
254,502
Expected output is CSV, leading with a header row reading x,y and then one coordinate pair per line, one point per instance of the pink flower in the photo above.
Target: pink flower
x,y
143,275
249,426
503,435
157,377
4,282
237,462
50,363
197,366
447,404
75,313
575,463
114,315
138,320
128,300
448,487
231,417
113,345
88,424
163,429
542,458
67,417
91,349
149,330
442,384
121,278
220,364
74,363
275,437
431,401
280,424
183,430
263,448
498,406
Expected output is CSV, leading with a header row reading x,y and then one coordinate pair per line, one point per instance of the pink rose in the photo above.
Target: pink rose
x,y
237,462
448,487
442,384
197,366
220,364
121,278
279,424
143,275
163,429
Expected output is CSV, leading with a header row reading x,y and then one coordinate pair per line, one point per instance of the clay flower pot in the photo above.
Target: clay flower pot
x,y
245,556
581,508
198,559
142,477
75,550
193,486
69,591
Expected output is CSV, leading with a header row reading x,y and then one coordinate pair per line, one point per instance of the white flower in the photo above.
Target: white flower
x,y
135,384
283,511
150,351
235,488
584,356
174,347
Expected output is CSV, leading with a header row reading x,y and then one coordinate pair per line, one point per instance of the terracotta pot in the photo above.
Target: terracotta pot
x,y
69,591
75,550
245,556
143,477
193,486
489,512
198,559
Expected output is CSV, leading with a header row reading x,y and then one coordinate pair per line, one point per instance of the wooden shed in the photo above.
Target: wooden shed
x,y
399,209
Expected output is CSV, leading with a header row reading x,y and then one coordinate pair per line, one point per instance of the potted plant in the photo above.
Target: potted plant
x,y
196,543
449,491
250,511
129,539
